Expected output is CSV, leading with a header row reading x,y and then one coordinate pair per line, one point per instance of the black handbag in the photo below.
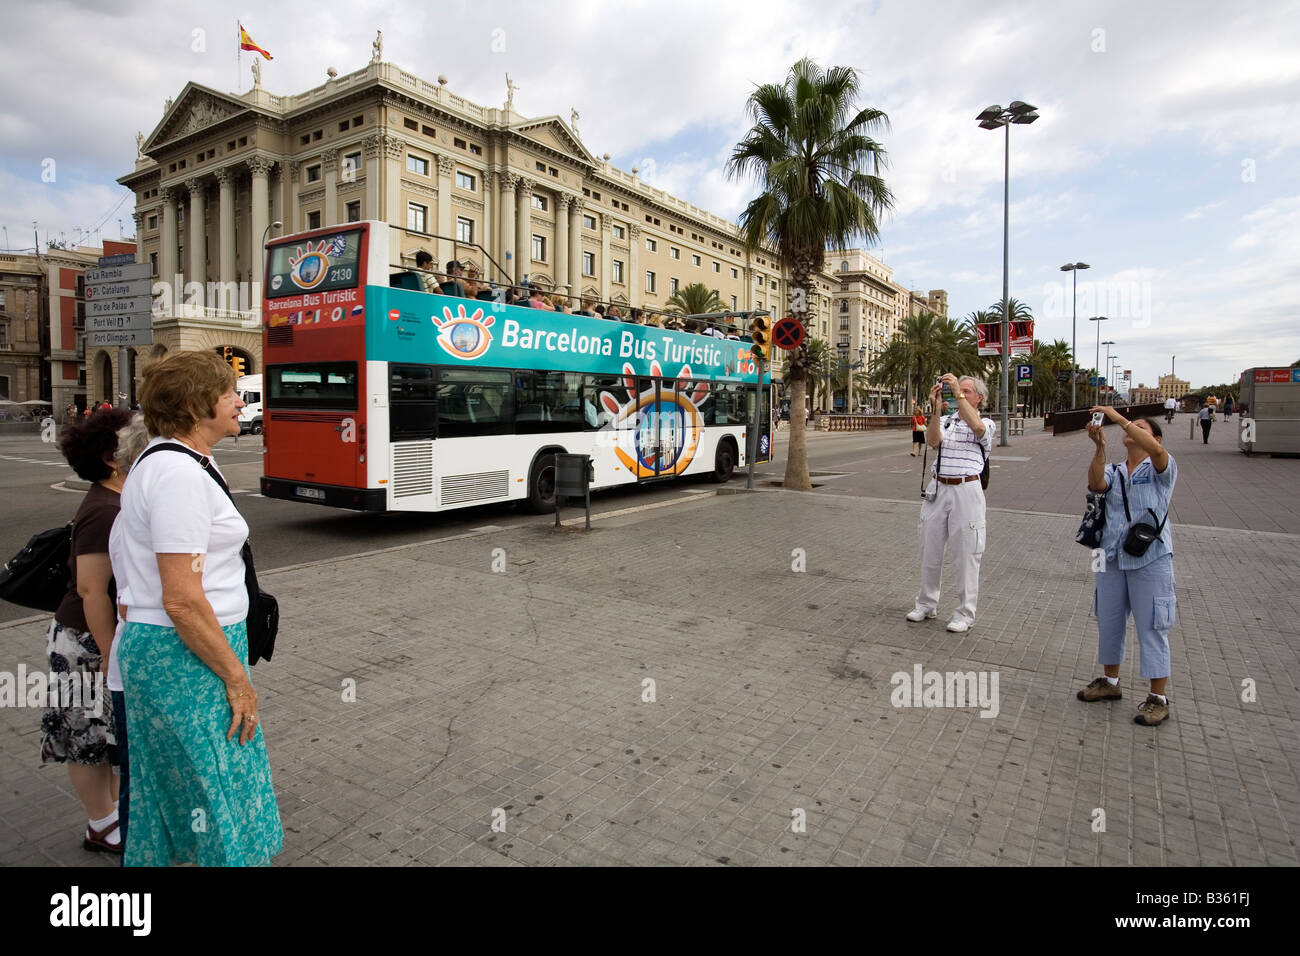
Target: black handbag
x,y
263,609
38,575
1141,535
1093,524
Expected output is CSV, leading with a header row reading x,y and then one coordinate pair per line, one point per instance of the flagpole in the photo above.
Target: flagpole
x,y
239,53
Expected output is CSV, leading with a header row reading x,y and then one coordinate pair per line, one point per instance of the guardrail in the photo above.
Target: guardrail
x,y
861,423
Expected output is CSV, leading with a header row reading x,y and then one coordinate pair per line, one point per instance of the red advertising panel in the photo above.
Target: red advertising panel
x,y
989,335
1281,375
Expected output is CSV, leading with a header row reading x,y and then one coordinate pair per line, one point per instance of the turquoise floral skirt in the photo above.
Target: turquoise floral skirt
x,y
196,797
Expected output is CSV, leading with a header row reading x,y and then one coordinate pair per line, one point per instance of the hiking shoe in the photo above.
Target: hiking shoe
x,y
916,615
1152,711
1100,689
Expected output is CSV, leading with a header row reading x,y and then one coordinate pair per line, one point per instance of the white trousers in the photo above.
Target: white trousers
x,y
956,515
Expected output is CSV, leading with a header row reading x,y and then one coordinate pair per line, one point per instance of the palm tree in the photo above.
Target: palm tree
x,y
925,346
811,149
820,365
695,299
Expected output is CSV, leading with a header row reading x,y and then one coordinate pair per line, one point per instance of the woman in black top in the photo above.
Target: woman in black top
x,y
77,728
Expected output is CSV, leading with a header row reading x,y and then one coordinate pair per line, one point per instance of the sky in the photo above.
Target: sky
x,y
1167,155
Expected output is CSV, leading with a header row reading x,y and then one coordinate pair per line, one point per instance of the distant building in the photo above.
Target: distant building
x,y
1145,395
1171,387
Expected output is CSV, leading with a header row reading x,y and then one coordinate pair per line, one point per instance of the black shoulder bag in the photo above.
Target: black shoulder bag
x,y
1094,520
1140,535
263,609
38,575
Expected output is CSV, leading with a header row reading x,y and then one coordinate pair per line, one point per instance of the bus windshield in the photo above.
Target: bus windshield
x,y
330,261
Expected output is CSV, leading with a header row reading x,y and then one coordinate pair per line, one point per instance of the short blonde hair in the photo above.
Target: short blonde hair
x,y
181,389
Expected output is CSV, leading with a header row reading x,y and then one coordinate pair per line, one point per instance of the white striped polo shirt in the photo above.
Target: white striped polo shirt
x,y
960,453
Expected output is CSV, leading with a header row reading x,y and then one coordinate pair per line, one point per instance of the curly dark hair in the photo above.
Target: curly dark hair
x,y
87,442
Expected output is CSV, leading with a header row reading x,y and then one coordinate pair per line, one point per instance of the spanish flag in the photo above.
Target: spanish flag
x,y
246,43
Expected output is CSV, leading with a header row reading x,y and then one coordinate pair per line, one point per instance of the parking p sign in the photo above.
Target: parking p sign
x,y
1024,375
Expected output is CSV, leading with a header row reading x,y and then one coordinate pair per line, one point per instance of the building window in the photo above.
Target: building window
x,y
650,282
735,274
541,167
354,210
844,341
695,260
844,322
844,305
619,232
352,161
773,284
758,280
417,164
539,248
617,275
313,173
651,245
474,149
152,223
589,263
717,267
313,221
672,286
465,181
733,303
458,142
410,123
417,217
539,202
674,252
464,229
588,222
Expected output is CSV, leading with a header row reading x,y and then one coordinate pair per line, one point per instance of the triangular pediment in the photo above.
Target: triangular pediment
x,y
196,109
553,132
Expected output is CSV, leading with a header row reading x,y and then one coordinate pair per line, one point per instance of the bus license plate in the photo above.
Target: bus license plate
x,y
310,493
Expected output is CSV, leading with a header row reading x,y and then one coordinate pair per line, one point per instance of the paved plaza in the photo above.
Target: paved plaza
x,y
708,680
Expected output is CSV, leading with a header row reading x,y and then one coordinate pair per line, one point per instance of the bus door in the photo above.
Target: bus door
x,y
663,430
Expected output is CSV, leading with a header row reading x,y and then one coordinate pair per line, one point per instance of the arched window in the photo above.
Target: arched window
x,y
844,305
844,265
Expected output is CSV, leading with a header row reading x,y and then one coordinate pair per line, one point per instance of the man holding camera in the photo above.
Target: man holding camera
x,y
953,509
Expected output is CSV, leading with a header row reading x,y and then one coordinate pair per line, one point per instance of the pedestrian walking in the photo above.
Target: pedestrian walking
x,y
79,637
1138,578
953,509
918,431
1227,408
1206,417
184,649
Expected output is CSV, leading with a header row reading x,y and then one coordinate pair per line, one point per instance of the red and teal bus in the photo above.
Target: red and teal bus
x,y
378,396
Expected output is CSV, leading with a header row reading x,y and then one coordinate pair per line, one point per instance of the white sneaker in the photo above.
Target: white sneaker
x,y
958,627
916,614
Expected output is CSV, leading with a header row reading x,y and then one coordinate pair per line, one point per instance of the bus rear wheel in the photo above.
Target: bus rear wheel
x,y
724,462
541,485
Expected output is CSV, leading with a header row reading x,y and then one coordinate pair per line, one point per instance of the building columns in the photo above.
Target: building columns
x,y
330,166
486,233
371,149
446,248
575,247
524,228
562,285
168,242
633,287
258,222
606,266
506,249
198,222
393,211
226,227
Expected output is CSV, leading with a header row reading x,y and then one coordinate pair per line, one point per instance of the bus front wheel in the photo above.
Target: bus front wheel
x,y
724,462
541,485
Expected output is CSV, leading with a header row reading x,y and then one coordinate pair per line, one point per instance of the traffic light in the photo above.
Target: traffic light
x,y
226,352
760,330
237,363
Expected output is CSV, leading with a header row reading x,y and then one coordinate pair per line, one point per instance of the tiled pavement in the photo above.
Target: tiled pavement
x,y
524,692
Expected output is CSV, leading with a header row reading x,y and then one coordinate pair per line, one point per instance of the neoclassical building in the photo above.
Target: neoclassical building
x,y
512,195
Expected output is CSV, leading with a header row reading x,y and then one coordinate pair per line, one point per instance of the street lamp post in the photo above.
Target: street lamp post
x,y
1074,267
1108,343
993,117
1096,362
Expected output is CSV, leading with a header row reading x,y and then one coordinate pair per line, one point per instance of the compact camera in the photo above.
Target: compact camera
x,y
945,389
1098,418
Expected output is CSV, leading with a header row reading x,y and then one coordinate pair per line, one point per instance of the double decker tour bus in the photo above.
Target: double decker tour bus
x,y
378,396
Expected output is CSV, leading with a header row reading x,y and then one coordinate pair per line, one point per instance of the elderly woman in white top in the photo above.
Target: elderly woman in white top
x,y
184,648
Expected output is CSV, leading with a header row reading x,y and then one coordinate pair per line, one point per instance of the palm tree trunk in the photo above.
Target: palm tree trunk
x,y
796,464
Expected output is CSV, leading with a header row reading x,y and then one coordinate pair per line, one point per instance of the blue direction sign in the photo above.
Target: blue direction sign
x,y
1101,380
1092,381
